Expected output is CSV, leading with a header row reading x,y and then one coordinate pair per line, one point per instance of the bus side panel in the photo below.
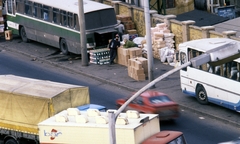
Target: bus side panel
x,y
186,88
219,89
49,33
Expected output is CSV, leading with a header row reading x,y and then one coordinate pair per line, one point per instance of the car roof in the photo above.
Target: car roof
x,y
151,93
90,106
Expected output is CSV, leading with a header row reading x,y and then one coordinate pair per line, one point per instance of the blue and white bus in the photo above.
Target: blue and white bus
x,y
217,83
56,22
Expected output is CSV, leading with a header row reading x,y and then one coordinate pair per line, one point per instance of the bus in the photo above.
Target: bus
x,y
56,23
212,82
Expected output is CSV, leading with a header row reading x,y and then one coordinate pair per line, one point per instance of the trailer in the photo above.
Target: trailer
x,y
24,102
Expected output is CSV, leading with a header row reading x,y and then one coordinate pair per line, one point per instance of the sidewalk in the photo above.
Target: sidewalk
x,y
118,75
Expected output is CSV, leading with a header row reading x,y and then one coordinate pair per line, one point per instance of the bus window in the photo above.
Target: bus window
x,y
45,13
76,22
56,16
20,6
10,6
28,8
70,20
37,10
63,18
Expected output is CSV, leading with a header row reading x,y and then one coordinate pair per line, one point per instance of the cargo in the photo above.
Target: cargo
x,y
90,128
25,102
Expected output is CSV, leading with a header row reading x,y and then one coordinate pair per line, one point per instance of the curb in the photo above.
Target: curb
x,y
122,86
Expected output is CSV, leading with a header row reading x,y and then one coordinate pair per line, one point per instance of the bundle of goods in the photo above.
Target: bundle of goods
x,y
99,56
162,39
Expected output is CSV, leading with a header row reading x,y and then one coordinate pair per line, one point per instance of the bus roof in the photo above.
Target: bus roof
x,y
206,44
72,5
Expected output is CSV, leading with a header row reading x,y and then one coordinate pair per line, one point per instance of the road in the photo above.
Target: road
x,y
198,129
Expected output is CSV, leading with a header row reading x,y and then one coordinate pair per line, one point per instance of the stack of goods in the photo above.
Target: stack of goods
x,y
162,43
1,20
125,54
138,68
128,25
99,56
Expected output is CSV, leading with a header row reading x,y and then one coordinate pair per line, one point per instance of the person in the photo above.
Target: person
x,y
120,28
113,45
128,43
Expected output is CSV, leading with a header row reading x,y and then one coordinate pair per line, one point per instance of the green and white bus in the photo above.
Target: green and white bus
x,y
55,23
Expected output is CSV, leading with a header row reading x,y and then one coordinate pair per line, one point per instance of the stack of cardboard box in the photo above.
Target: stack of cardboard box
x,y
161,38
1,19
124,54
138,68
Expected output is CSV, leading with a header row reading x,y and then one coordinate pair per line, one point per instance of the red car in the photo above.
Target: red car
x,y
153,102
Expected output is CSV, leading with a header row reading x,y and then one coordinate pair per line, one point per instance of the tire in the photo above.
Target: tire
x,y
63,46
23,35
202,95
11,141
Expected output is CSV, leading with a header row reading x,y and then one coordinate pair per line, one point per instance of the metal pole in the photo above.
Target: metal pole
x,y
149,40
81,19
111,124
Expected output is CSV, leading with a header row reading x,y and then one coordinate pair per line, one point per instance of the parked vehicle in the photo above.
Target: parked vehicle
x,y
24,102
212,82
153,102
56,23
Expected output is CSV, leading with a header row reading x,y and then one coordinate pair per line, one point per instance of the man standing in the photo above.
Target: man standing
x,y
113,45
120,28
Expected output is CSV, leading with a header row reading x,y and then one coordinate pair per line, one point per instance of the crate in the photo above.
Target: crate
x,y
8,35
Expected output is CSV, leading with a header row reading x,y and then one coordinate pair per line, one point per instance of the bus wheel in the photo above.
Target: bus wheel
x,y
202,95
23,35
11,141
63,46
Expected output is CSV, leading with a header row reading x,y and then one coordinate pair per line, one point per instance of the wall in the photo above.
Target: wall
x,y
183,30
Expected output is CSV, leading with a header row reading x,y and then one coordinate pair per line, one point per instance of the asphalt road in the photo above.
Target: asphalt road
x,y
197,128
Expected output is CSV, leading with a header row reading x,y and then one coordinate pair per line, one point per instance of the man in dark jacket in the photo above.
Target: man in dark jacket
x,y
113,45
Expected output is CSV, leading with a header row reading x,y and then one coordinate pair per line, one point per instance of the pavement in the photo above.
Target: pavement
x,y
118,75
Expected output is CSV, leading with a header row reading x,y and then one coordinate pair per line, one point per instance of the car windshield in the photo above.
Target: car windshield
x,y
159,99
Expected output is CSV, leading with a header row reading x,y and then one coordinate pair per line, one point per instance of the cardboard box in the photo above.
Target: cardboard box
x,y
132,31
123,18
8,35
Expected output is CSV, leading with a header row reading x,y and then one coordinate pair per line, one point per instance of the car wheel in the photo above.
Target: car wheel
x,y
64,46
202,95
23,35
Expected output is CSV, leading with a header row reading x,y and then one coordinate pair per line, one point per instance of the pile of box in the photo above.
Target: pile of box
x,y
124,54
99,56
136,64
1,19
138,68
162,43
